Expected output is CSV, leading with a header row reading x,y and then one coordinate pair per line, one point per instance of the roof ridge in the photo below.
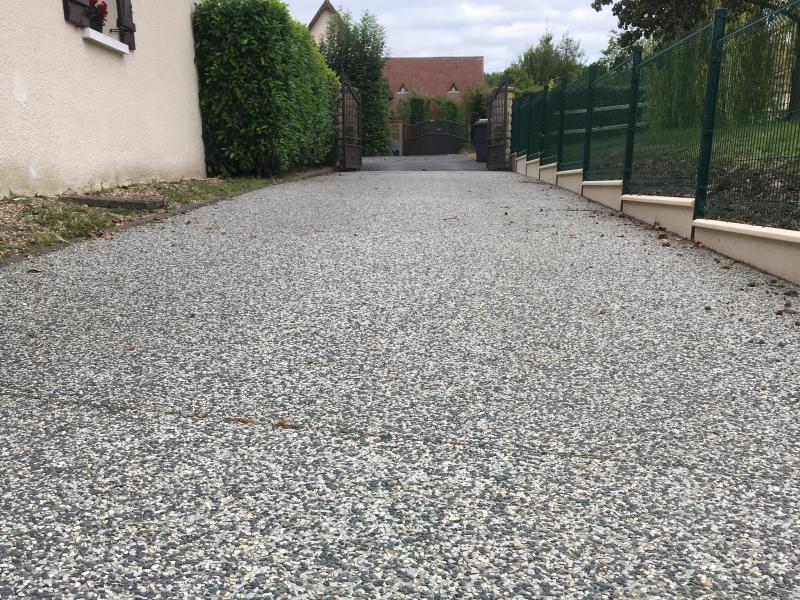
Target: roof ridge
x,y
326,5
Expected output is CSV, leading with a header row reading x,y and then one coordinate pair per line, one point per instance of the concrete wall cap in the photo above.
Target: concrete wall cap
x,y
771,233
609,183
571,172
663,200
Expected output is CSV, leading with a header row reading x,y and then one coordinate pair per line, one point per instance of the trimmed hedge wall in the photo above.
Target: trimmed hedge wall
x,y
267,98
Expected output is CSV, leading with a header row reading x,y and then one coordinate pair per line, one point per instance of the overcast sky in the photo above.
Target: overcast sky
x,y
499,30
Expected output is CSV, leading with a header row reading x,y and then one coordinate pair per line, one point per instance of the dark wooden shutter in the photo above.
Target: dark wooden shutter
x,y
127,28
75,12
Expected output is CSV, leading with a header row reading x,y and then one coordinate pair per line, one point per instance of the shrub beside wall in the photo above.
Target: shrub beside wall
x,y
267,98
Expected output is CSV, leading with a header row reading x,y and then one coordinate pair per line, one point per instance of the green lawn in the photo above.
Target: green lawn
x,y
30,222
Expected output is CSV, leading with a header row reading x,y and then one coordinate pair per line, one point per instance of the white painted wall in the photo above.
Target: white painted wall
x,y
76,116
320,28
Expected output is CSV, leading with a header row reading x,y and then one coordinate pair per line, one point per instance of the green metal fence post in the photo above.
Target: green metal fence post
x,y
514,126
523,132
710,112
543,126
561,120
587,141
633,112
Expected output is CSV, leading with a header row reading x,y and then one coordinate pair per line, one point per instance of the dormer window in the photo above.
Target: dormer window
x,y
453,87
403,89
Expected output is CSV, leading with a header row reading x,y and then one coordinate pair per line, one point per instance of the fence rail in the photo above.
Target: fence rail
x,y
714,117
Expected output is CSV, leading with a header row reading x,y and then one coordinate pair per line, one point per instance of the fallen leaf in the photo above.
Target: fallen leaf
x,y
241,420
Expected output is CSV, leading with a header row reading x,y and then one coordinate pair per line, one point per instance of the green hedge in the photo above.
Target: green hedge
x,y
267,98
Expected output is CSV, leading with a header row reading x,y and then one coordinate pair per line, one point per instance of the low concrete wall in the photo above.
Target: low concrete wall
x,y
520,164
549,173
608,193
570,180
675,214
532,168
776,251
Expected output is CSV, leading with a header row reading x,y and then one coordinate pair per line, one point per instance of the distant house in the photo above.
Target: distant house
x,y
81,108
319,24
446,76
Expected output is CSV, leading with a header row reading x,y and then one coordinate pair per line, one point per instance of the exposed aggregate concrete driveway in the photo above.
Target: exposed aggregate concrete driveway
x,y
397,384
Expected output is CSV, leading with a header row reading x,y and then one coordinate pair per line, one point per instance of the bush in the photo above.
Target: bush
x,y
475,101
414,109
267,98
448,109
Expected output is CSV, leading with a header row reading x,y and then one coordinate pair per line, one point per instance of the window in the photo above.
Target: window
x,y
453,87
403,89
77,13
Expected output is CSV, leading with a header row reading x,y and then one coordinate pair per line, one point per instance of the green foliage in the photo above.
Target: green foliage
x,y
666,20
494,78
414,109
547,62
475,105
267,99
447,109
613,55
355,50
417,108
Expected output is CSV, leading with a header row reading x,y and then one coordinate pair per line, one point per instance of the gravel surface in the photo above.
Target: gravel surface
x,y
430,385
442,162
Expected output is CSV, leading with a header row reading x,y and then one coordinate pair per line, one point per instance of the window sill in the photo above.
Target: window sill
x,y
101,39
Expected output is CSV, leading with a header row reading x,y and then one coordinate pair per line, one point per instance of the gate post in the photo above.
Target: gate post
x,y
509,100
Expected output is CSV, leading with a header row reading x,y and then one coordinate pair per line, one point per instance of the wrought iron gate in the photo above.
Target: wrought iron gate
x,y
351,131
434,137
499,138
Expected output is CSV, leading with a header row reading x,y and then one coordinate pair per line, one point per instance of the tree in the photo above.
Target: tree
x,y
613,55
547,62
355,49
666,20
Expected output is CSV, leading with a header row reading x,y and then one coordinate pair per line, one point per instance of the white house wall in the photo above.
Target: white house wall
x,y
320,28
77,116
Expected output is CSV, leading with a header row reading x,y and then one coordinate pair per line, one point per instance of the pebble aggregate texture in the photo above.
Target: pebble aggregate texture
x,y
397,384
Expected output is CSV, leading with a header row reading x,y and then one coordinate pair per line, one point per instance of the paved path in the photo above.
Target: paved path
x,y
397,384
440,162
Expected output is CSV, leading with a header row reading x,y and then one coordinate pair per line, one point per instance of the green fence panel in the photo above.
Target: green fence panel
x,y
551,144
535,124
609,123
672,92
755,164
575,101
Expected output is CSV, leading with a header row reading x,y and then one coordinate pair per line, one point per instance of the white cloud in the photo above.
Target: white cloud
x,y
499,31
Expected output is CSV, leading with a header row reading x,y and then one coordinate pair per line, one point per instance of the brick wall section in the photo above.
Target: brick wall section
x,y
432,76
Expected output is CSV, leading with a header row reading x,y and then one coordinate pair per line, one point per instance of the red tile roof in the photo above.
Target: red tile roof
x,y
433,75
